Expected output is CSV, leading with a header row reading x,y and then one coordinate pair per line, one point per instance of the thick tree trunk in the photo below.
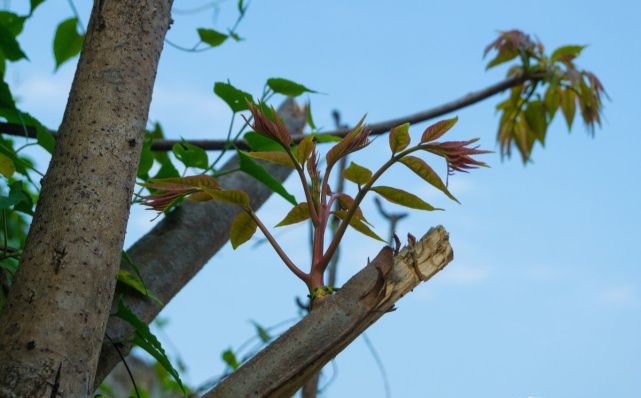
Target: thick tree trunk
x,y
282,368
52,328
196,230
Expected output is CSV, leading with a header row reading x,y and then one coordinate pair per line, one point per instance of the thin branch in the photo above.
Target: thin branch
x,y
377,128
124,361
281,253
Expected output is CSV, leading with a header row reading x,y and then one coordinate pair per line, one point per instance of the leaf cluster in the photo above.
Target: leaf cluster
x,y
551,82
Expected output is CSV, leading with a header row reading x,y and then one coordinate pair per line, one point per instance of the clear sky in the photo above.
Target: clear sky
x,y
543,298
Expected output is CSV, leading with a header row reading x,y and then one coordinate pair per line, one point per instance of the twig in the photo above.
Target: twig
x,y
377,128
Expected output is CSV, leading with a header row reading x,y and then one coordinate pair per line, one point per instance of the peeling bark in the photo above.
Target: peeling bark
x,y
196,230
53,325
282,368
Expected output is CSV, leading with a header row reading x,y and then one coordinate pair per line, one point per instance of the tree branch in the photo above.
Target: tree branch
x,y
183,241
377,128
283,367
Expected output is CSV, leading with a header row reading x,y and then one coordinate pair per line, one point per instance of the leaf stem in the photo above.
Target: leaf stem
x,y
288,262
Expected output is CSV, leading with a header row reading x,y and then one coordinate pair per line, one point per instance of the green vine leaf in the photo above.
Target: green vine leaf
x,y
191,155
403,198
236,99
423,170
298,213
146,340
211,37
242,229
287,87
67,42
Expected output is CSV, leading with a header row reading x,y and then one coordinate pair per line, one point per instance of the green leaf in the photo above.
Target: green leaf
x,y
436,130
235,98
211,37
21,198
357,174
424,171
242,229
345,202
298,213
536,120
127,279
566,53
67,42
249,166
305,148
358,225
323,138
262,333
146,161
287,87
146,340
230,359
12,22
310,119
46,140
281,158
568,106
191,155
6,98
403,198
399,137
34,5
7,168
258,142
9,46
135,282
231,196
552,99
503,56
15,197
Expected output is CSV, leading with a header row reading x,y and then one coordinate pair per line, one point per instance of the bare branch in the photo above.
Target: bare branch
x,y
283,367
377,128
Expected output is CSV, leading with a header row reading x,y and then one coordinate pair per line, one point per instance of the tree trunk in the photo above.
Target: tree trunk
x,y
52,328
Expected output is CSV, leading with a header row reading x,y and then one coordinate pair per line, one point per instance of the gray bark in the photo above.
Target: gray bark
x,y
282,368
54,322
181,244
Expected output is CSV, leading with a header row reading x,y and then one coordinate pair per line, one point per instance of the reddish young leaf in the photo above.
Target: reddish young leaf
x,y
357,174
421,168
181,183
298,213
232,196
281,158
275,130
403,198
399,137
242,229
305,149
358,225
345,202
353,141
436,130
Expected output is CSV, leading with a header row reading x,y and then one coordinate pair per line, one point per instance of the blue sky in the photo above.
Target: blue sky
x,y
543,298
